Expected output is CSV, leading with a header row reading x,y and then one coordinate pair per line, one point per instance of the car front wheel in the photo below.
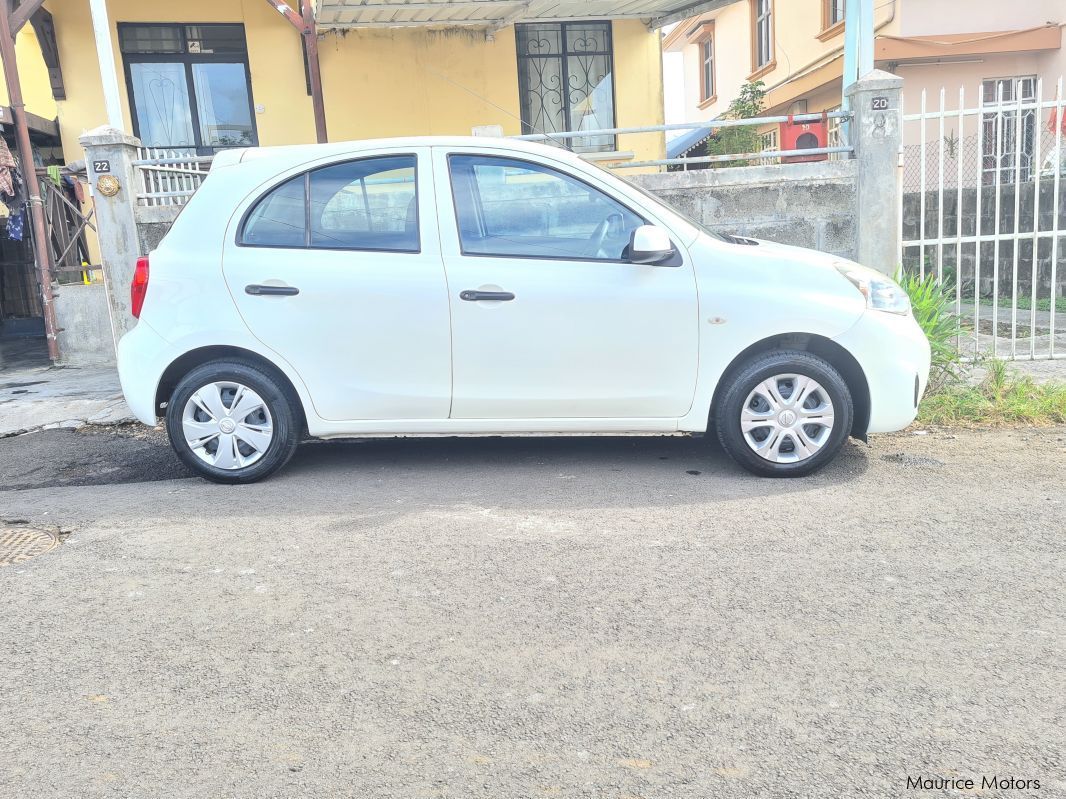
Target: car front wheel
x,y
231,422
784,414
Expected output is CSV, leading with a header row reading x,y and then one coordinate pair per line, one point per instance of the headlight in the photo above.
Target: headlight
x,y
882,293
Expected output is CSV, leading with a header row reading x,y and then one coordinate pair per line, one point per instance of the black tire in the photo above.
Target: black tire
x,y
283,410
743,381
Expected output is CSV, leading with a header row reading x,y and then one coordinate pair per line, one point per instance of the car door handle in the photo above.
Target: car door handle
x,y
478,296
271,291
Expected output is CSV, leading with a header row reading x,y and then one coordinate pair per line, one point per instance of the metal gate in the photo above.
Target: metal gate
x,y
983,207
66,224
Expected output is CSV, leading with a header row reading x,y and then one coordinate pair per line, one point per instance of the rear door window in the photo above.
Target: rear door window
x,y
368,204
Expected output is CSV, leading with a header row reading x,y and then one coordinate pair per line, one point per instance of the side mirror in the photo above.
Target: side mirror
x,y
650,245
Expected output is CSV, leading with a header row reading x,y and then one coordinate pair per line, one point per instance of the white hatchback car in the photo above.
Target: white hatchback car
x,y
464,286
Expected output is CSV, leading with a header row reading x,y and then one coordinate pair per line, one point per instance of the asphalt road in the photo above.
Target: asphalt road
x,y
534,618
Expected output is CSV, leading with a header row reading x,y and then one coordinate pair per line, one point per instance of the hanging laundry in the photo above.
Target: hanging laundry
x,y
54,174
16,225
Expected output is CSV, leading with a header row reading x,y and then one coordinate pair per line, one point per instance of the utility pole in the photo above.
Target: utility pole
x,y
9,27
858,48
304,22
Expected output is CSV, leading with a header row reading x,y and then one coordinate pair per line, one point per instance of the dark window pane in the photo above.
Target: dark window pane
x,y
541,81
366,205
279,219
161,102
216,39
150,39
540,39
223,105
514,208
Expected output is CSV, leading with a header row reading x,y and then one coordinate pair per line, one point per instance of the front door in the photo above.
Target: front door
x,y
339,271
549,321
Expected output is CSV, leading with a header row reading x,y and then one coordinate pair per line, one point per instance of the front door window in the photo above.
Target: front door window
x,y
189,86
519,209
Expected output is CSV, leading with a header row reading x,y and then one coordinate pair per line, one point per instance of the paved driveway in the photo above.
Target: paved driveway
x,y
535,618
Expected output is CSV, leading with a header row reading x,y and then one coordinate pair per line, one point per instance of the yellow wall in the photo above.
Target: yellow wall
x,y
275,63
409,82
33,74
396,82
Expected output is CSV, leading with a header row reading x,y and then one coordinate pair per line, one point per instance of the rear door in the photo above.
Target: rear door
x,y
338,270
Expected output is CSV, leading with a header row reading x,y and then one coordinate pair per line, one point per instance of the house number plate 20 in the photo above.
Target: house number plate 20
x,y
880,104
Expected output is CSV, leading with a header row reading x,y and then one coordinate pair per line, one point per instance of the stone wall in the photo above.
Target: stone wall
x,y
83,320
947,256
153,224
808,205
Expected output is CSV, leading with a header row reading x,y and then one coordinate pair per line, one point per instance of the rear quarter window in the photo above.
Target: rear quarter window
x,y
280,218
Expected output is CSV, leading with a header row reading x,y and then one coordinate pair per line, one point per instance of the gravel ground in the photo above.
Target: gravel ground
x,y
534,618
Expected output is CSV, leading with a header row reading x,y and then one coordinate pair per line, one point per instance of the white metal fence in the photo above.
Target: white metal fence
x,y
983,203
836,148
168,177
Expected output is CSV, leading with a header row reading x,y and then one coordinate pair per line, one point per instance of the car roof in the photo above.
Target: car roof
x,y
294,154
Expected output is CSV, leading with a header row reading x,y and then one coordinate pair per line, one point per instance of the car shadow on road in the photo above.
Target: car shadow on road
x,y
527,472
567,470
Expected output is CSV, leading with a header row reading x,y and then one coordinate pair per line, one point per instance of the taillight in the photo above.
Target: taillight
x,y
139,286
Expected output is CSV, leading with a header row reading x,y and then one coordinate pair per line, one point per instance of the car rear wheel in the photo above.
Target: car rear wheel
x,y
784,414
232,422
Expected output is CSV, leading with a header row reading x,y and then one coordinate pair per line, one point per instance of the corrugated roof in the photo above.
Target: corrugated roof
x,y
495,14
679,146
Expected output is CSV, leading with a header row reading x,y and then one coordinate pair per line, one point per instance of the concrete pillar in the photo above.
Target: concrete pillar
x,y
877,137
112,152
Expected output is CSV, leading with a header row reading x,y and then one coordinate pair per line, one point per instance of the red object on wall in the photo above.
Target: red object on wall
x,y
1053,119
804,136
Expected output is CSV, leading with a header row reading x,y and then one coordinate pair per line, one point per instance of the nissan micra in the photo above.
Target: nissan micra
x,y
466,286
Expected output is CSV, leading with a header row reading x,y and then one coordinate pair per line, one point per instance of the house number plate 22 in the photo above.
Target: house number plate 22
x,y
880,104
101,167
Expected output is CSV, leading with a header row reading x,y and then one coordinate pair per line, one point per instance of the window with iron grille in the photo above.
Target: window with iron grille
x,y
189,86
565,81
1008,141
763,24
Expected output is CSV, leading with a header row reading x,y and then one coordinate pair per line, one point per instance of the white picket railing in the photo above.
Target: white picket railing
x,y
982,209
169,177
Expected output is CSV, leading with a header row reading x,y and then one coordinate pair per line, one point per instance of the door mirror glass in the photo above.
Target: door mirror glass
x,y
650,245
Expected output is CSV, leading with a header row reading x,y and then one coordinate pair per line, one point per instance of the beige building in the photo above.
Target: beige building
x,y
986,48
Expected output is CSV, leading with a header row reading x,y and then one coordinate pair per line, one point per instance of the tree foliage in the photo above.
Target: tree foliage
x,y
745,139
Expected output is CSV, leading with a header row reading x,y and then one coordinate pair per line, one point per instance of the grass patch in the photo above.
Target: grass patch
x,y
1025,302
1000,399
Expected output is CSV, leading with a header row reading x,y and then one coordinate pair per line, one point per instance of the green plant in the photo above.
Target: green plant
x,y
742,139
933,306
1001,398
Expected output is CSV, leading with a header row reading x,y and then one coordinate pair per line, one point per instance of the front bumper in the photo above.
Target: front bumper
x,y
894,355
142,356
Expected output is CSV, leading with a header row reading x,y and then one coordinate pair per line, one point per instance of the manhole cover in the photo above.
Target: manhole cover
x,y
22,543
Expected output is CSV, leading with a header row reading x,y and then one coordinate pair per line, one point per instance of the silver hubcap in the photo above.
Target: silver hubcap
x,y
787,418
227,425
